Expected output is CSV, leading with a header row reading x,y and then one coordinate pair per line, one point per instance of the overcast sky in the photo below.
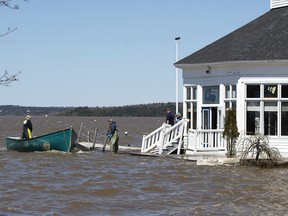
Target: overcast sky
x,y
108,52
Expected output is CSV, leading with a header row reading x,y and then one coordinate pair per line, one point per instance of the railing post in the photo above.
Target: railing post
x,y
161,140
143,143
181,130
95,137
88,136
80,131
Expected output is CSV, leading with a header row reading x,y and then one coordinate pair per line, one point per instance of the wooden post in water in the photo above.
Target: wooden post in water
x,y
95,137
80,131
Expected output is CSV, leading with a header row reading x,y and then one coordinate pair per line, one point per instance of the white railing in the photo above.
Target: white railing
x,y
164,136
206,140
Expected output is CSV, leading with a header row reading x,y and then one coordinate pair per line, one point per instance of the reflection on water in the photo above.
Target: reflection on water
x,y
96,183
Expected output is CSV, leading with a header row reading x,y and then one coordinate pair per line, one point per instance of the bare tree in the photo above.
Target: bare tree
x,y
9,30
7,78
7,3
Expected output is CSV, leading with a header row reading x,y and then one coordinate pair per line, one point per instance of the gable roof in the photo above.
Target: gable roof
x,y
265,38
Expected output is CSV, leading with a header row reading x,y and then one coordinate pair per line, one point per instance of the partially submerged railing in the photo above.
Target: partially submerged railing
x,y
164,136
87,135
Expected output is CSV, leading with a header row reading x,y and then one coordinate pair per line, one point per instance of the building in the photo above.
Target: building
x,y
246,69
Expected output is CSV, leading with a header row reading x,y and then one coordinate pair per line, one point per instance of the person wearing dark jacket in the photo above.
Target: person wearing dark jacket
x,y
113,136
27,128
170,118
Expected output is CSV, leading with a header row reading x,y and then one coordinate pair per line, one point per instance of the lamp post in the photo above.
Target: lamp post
x,y
177,39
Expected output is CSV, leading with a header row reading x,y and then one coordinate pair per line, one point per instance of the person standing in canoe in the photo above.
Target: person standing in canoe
x,y
27,128
113,136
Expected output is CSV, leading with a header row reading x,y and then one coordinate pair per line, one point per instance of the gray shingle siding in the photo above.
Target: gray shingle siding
x,y
265,38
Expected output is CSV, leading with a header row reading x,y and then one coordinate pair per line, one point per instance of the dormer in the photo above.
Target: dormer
x,y
278,3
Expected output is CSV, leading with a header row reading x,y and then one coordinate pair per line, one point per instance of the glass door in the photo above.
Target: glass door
x,y
209,118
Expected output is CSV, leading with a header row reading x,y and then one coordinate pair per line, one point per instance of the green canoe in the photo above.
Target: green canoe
x,y
64,140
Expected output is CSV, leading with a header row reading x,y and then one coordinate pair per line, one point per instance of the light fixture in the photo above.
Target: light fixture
x,y
208,69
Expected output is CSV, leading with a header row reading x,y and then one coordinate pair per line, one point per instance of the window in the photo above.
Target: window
x,y
266,109
284,91
230,96
253,117
253,91
194,93
234,92
284,118
191,106
227,92
194,119
230,91
211,95
270,118
191,93
188,114
192,114
270,91
188,93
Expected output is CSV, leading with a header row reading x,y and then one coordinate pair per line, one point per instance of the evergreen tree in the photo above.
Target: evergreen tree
x,y
231,131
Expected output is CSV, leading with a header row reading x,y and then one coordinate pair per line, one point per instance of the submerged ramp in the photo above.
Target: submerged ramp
x,y
89,146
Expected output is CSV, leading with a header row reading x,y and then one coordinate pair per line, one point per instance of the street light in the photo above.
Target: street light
x,y
177,39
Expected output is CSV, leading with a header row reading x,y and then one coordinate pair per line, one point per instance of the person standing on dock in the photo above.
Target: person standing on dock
x,y
178,117
170,118
27,128
113,136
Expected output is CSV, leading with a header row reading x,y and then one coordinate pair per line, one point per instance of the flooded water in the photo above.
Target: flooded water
x,y
96,183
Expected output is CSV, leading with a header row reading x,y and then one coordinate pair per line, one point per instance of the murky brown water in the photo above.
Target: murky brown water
x,y
96,183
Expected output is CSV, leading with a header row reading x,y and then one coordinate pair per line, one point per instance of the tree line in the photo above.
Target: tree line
x,y
141,110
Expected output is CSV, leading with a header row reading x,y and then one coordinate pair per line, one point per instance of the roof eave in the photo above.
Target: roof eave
x,y
231,63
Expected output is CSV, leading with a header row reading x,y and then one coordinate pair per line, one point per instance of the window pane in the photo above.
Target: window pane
x,y
253,91
188,106
253,117
188,92
194,115
227,91
227,105
234,92
253,122
270,118
284,118
211,95
270,91
284,91
194,93
253,106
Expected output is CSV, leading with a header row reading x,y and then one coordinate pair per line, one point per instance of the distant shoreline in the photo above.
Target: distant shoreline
x,y
141,110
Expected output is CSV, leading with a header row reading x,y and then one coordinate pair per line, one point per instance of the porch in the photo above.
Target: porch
x,y
210,141
177,139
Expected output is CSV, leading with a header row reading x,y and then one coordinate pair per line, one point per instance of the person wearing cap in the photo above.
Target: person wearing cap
x,y
170,118
27,128
113,136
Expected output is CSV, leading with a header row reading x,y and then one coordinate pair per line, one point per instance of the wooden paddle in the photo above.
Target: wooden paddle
x,y
104,145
